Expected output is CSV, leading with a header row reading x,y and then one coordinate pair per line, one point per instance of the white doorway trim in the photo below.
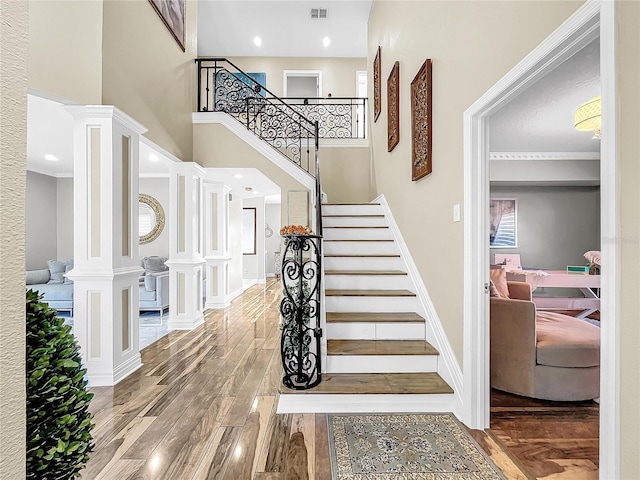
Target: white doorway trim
x,y
595,17
301,73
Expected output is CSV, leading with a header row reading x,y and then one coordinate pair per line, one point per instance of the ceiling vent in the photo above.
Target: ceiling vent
x,y
318,13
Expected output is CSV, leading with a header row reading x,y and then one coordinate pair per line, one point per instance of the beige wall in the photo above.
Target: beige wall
x,y
338,74
215,146
14,29
628,74
65,49
344,173
472,45
41,220
235,245
65,218
147,75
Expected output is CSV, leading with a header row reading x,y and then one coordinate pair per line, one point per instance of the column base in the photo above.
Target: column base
x,y
120,372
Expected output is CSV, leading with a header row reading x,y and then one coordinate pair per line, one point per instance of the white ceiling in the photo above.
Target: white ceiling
x,y
252,178
228,27
541,118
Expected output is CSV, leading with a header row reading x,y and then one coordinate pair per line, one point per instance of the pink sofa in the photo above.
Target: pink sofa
x,y
542,354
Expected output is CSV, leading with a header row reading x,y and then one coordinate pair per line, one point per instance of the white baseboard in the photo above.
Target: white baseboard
x,y
236,294
448,368
248,283
271,275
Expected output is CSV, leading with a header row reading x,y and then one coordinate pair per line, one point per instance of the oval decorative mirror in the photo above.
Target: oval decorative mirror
x,y
151,218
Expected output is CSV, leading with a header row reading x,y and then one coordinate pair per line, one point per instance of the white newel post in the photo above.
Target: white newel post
x,y
217,245
106,260
185,262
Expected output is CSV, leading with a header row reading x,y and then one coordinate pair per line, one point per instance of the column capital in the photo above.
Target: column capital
x,y
105,112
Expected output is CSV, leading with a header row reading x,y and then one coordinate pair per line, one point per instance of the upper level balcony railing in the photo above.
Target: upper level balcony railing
x,y
337,117
223,87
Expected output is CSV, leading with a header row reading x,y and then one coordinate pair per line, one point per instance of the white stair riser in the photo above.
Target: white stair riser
x,y
362,403
376,331
360,248
367,282
363,263
381,363
364,221
371,304
366,209
357,234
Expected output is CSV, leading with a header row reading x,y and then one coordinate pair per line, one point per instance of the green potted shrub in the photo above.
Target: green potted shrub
x,y
58,420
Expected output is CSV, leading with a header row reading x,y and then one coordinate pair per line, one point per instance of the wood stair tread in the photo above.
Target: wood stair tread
x,y
344,215
354,203
357,226
380,347
359,240
358,255
377,383
373,317
364,272
368,293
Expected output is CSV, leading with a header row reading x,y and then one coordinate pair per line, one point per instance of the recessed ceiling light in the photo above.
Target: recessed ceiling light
x,y
248,189
50,157
237,175
326,41
257,41
153,157
255,192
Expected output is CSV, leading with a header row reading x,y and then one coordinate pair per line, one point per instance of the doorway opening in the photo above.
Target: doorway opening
x,y
302,84
591,20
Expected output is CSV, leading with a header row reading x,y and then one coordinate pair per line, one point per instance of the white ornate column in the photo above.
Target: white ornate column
x,y
106,265
216,236
185,262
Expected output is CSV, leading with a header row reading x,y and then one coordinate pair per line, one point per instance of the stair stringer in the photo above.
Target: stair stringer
x,y
448,367
260,146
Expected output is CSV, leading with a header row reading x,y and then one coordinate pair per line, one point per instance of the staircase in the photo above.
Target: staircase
x,y
377,357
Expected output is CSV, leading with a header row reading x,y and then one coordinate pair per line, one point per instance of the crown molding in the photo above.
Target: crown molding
x,y
537,156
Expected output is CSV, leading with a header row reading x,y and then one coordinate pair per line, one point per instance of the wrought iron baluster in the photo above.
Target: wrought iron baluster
x,y
300,310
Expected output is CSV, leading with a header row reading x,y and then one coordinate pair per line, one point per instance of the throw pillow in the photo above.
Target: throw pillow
x,y
150,282
493,291
499,278
68,267
154,264
56,270
37,277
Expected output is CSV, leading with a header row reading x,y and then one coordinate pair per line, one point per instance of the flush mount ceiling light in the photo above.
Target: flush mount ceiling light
x,y
257,41
326,41
237,175
588,117
50,157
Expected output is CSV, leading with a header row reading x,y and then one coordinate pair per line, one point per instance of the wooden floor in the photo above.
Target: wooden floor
x,y
203,406
547,440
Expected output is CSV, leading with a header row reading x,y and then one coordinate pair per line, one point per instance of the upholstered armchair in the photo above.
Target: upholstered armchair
x,y
542,355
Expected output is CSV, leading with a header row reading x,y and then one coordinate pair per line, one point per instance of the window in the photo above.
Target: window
x,y
361,111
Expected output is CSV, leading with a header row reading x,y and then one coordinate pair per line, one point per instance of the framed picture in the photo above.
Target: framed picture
x,y
172,13
249,231
503,224
393,107
421,122
377,87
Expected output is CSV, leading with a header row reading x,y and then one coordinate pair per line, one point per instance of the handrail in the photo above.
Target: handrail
x,y
285,128
270,118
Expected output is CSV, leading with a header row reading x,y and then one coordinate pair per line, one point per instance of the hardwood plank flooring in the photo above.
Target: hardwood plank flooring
x,y
550,440
203,406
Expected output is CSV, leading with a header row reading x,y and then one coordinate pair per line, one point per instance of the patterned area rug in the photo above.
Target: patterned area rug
x,y
409,446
